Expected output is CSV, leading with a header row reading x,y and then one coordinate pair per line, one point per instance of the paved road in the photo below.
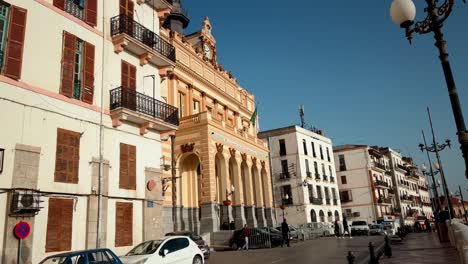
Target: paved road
x,y
325,250
422,248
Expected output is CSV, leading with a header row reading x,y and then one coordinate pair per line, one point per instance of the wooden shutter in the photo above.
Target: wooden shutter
x,y
60,4
59,225
67,156
127,167
123,224
91,12
128,75
88,73
126,8
15,42
68,63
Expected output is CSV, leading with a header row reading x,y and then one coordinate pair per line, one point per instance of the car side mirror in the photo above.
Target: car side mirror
x,y
163,253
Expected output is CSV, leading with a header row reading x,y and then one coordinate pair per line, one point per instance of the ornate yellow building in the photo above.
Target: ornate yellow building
x,y
219,159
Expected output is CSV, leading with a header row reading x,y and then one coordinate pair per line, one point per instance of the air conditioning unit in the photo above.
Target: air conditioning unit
x,y
25,203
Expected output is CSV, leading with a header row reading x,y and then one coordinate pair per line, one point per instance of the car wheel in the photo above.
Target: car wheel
x,y
234,246
197,260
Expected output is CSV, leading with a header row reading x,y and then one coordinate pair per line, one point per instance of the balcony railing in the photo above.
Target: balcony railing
x,y
135,101
385,200
401,167
327,200
379,165
332,179
316,201
288,201
335,201
325,177
284,176
379,183
123,24
74,9
309,174
317,176
391,192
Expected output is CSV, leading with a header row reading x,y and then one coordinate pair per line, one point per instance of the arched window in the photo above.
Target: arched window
x,y
330,217
337,215
313,216
322,216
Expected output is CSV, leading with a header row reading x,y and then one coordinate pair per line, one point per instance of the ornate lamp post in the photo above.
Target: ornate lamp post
x,y
228,202
403,13
431,173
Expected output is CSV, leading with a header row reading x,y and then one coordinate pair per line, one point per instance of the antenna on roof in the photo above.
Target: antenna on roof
x,y
301,114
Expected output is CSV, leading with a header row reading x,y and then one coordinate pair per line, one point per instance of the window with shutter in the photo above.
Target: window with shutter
x,y
77,69
85,10
127,179
67,156
123,224
59,225
13,21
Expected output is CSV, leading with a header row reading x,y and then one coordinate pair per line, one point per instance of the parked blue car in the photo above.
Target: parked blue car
x,y
92,256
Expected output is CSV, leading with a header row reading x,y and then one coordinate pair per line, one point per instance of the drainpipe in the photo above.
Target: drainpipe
x,y
272,179
173,183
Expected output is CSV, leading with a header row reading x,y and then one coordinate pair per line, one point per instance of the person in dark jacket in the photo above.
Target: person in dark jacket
x,y
232,226
285,232
337,229
346,228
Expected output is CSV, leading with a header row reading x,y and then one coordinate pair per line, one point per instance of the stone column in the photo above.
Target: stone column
x,y
203,102
270,218
209,220
190,99
250,216
261,220
239,219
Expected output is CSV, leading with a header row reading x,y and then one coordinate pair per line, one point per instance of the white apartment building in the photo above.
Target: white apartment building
x,y
303,175
380,185
77,107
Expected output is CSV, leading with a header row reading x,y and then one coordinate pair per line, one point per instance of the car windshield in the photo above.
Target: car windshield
x,y
145,248
359,223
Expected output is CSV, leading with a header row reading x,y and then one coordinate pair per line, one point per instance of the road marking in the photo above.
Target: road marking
x,y
278,260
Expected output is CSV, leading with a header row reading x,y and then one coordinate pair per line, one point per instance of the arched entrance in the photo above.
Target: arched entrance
x,y
322,216
330,217
337,215
189,191
313,216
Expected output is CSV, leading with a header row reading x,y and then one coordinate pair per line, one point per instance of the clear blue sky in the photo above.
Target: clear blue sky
x,y
350,66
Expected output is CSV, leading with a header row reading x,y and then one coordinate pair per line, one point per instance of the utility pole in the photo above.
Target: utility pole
x,y
434,185
173,183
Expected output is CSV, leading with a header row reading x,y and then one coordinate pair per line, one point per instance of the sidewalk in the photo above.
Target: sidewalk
x,y
422,248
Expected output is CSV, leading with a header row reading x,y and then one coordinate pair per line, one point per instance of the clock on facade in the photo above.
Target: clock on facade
x,y
207,50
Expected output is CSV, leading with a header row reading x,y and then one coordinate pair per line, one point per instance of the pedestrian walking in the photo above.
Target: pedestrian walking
x,y
346,228
427,223
246,237
285,232
337,229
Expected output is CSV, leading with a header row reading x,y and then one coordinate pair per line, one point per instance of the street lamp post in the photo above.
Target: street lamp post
x,y
228,202
403,13
436,199
436,147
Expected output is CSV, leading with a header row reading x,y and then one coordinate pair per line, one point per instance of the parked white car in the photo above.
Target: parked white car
x,y
360,227
169,250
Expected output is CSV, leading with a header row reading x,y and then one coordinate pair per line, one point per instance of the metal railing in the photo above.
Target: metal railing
x,y
123,24
335,201
317,176
327,200
316,201
309,174
284,176
381,183
332,179
73,9
133,100
379,165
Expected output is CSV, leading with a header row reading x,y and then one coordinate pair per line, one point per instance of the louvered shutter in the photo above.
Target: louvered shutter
x,y
123,224
124,74
128,224
68,63
123,179
88,73
132,77
119,223
67,156
53,226
132,167
60,4
15,43
66,224
91,12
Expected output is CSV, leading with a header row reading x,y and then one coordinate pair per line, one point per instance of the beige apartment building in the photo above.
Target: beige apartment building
x,y
83,117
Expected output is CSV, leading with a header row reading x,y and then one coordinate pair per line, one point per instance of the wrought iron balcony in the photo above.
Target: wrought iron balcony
x,y
385,200
343,167
74,9
413,176
147,45
284,176
327,200
381,184
325,177
332,179
391,192
130,105
309,174
379,165
335,201
401,167
288,201
316,201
